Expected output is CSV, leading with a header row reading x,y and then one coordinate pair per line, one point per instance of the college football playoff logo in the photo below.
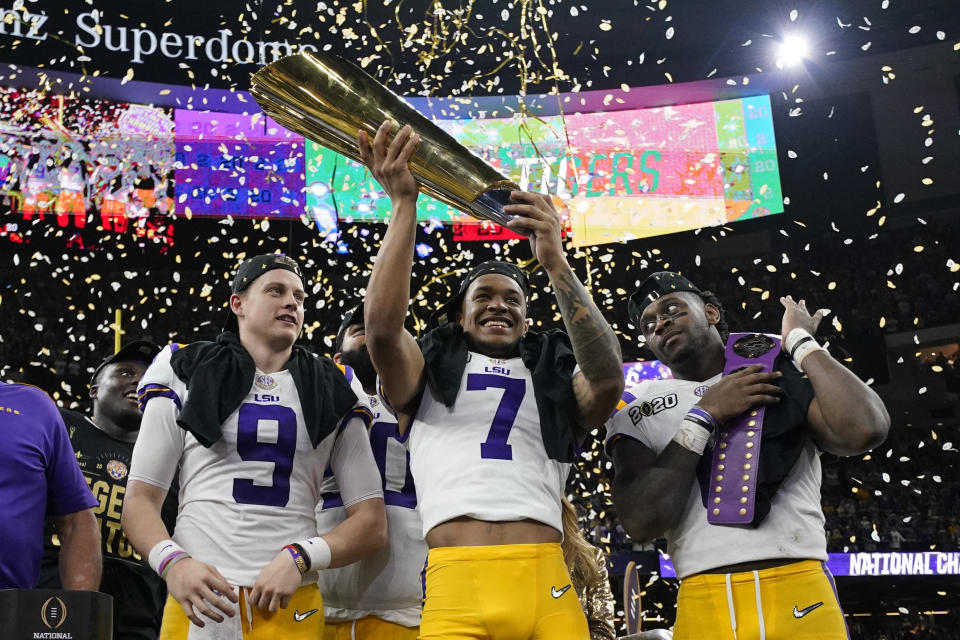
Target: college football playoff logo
x,y
53,612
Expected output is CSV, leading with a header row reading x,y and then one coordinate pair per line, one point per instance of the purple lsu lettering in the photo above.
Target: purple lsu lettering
x,y
265,397
497,369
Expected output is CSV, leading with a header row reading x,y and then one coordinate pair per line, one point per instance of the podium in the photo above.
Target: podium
x,y
55,614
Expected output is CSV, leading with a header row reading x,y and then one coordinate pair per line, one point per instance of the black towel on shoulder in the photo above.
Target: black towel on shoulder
x,y
218,376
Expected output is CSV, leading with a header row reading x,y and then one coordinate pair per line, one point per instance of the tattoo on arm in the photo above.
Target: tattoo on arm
x,y
594,343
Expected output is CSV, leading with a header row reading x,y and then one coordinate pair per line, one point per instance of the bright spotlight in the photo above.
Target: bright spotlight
x,y
792,51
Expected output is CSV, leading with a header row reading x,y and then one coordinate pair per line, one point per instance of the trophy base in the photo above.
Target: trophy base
x,y
489,206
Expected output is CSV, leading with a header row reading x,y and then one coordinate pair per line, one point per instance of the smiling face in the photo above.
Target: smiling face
x,y
493,315
115,394
677,326
270,310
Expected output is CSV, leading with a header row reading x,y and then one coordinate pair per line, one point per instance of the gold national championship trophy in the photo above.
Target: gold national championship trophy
x,y
327,100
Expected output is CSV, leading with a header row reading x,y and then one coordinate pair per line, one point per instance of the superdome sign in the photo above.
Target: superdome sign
x,y
140,43
123,40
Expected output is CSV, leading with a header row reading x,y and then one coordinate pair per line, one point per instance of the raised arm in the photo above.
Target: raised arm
x,y
394,353
80,561
599,384
846,416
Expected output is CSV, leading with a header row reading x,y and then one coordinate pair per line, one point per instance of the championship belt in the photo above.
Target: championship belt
x,y
736,454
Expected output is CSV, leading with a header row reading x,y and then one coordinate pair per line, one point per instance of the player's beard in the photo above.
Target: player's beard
x,y
359,360
491,348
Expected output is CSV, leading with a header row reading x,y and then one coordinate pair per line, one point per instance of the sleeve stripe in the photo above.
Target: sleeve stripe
x,y
625,399
150,391
358,411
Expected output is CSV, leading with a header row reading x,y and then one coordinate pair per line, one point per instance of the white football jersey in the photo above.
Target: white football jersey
x,y
254,490
484,457
385,584
651,413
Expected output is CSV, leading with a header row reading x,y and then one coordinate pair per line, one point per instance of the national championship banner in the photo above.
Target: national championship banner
x,y
892,563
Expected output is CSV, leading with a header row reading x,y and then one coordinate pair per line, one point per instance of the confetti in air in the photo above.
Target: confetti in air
x,y
136,172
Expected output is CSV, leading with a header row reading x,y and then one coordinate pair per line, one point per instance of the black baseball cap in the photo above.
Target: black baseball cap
x,y
248,271
447,312
351,317
136,351
657,284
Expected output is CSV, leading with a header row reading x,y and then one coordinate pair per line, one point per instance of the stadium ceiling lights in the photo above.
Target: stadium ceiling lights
x,y
792,51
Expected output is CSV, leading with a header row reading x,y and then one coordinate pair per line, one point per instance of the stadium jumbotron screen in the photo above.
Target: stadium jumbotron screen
x,y
623,174
232,164
617,175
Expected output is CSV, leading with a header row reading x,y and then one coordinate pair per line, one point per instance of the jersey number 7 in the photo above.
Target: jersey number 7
x,y
514,389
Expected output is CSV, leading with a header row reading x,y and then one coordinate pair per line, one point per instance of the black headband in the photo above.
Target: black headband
x,y
250,270
657,284
350,318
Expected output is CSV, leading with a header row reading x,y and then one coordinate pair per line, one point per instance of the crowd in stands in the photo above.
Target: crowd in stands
x,y
916,626
895,282
895,498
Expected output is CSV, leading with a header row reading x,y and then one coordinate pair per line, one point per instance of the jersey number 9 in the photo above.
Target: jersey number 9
x,y
280,453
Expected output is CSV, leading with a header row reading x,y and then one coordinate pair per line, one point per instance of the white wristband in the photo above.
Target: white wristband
x,y
799,344
318,551
790,340
692,437
161,551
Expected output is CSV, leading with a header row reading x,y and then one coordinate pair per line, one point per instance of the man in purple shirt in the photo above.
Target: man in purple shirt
x,y
39,475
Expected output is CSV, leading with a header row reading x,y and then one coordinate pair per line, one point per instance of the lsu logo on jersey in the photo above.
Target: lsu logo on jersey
x,y
650,407
117,469
497,369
